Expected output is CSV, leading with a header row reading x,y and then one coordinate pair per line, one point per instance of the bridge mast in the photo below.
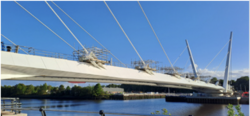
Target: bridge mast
x,y
192,61
225,83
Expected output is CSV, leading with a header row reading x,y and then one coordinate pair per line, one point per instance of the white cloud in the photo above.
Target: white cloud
x,y
189,69
220,74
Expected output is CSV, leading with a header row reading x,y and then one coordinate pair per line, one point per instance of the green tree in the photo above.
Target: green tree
x,y
221,82
242,83
61,89
231,111
67,90
43,89
238,108
20,89
54,91
213,80
29,89
6,91
164,112
49,88
232,82
37,88
97,91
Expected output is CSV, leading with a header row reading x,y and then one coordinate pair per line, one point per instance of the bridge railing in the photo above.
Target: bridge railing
x,y
33,51
37,52
11,103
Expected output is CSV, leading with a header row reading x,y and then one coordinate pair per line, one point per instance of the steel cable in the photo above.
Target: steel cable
x,y
156,36
87,32
124,32
45,25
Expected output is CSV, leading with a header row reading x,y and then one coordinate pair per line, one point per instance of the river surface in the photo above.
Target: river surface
x,y
141,107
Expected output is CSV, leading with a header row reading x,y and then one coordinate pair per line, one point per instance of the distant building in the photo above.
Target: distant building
x,y
113,90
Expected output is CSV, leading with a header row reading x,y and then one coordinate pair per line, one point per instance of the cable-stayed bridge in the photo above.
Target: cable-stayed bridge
x,y
16,66
89,68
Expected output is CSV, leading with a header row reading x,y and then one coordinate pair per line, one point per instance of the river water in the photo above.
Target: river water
x,y
142,107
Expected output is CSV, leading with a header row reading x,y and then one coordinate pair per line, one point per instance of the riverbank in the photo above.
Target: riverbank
x,y
108,97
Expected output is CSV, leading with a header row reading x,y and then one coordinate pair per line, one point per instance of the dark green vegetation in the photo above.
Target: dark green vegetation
x,y
241,83
231,111
47,90
164,112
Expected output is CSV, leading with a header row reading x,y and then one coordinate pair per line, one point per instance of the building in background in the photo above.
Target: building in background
x,y
113,90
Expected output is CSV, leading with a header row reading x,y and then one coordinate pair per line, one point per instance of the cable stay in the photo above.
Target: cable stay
x,y
45,26
180,55
14,44
67,27
87,32
53,31
146,67
217,69
220,63
186,63
90,57
216,55
157,38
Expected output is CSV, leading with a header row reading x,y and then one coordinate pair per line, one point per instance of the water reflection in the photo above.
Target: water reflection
x,y
143,107
98,101
54,106
211,110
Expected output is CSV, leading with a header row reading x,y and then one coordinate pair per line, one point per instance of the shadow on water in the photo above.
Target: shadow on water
x,y
98,101
210,110
56,106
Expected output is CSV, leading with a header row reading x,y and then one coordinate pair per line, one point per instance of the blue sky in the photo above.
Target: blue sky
x,y
206,26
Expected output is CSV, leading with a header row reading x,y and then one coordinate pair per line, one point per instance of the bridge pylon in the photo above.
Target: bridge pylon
x,y
192,62
226,75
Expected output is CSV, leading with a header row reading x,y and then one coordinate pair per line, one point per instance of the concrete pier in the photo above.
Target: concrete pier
x,y
214,100
136,96
210,100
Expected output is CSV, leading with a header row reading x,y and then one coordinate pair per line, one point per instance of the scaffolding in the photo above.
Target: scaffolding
x,y
151,63
169,70
101,54
202,77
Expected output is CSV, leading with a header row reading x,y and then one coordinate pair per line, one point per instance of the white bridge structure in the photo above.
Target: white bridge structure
x,y
17,66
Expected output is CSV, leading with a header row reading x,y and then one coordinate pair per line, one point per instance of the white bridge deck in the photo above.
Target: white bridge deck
x,y
16,66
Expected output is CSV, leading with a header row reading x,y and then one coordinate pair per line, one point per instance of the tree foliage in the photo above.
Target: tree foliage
x,y
242,83
213,80
231,111
77,91
164,112
97,91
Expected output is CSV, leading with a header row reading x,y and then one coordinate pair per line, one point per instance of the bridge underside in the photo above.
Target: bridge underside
x,y
29,67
